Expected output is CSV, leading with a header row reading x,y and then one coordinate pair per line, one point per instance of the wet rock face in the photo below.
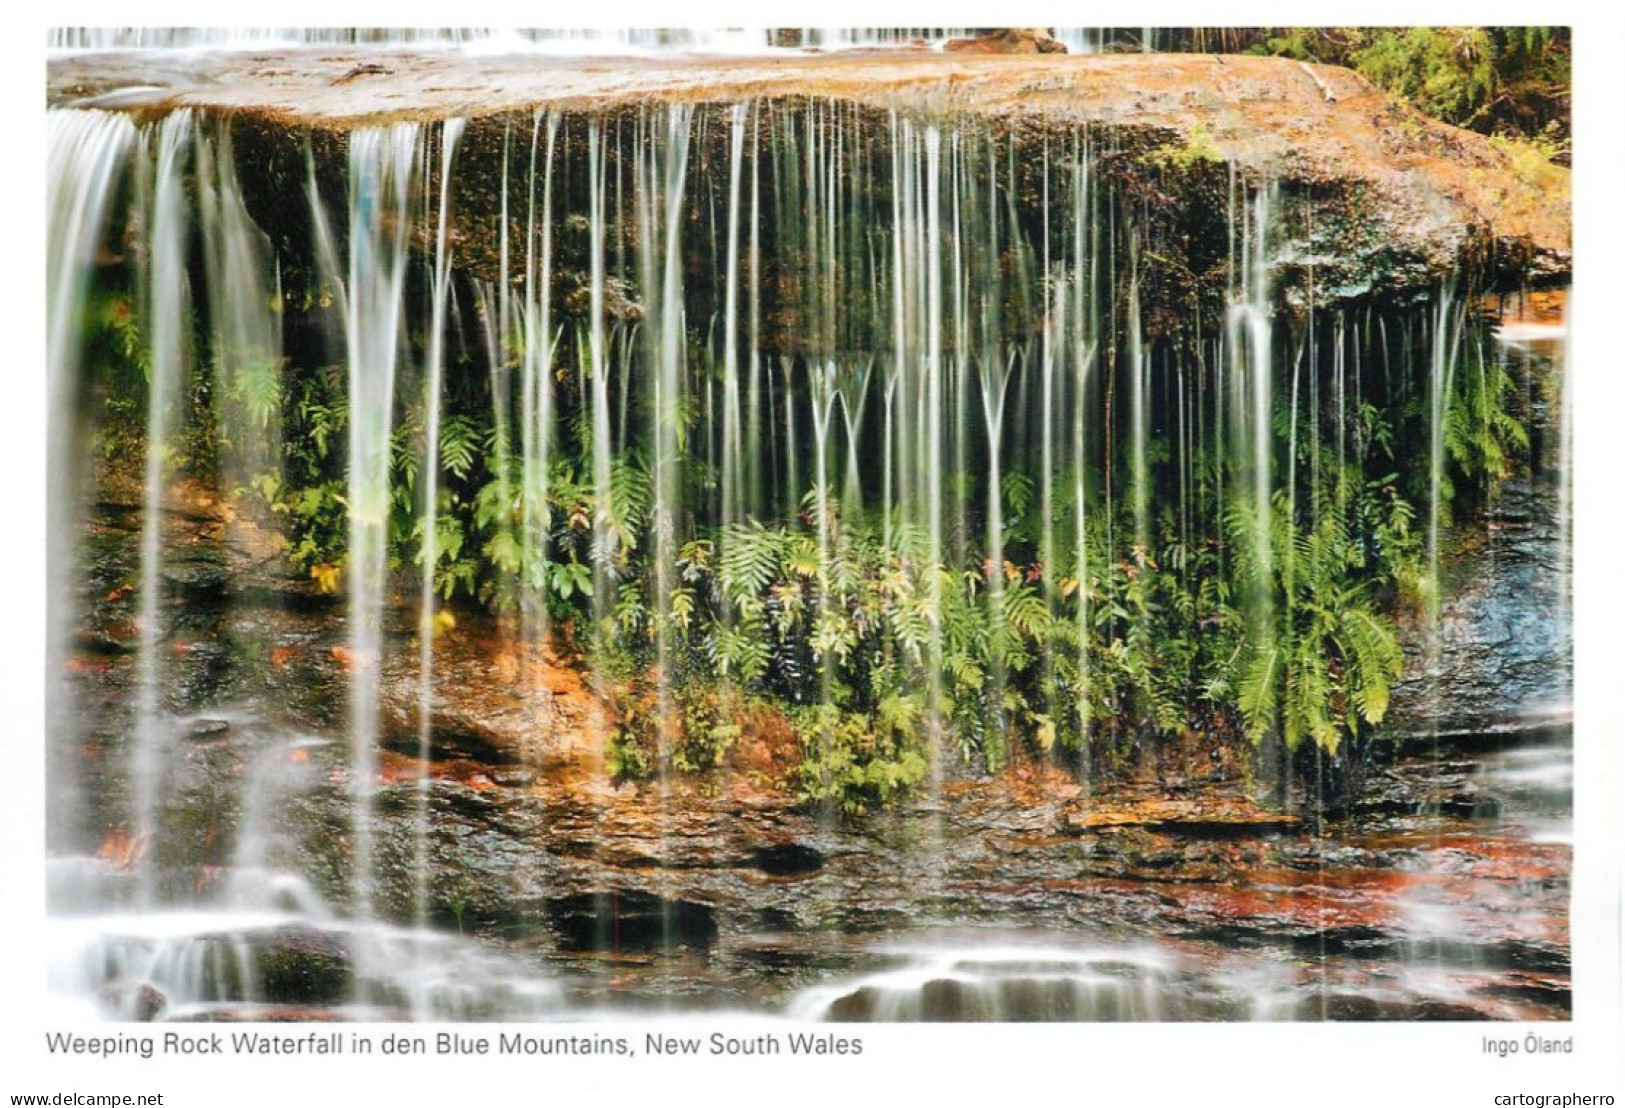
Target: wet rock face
x,y
1504,652
788,859
745,896
301,965
495,700
731,889
631,920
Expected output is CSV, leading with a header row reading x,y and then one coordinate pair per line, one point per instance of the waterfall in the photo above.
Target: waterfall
x,y
1139,417
429,549
787,477
733,458
536,382
1253,378
245,302
86,154
164,217
385,167
1444,345
949,330
605,539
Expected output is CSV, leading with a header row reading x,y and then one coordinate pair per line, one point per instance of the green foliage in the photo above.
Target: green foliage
x,y
1534,155
1447,72
1199,146
569,579
1512,81
1482,434
256,392
460,444
692,731
855,761
1321,658
741,652
307,490
629,497
626,757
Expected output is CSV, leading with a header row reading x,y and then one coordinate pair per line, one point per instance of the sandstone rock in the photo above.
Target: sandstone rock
x,y
1010,40
1395,199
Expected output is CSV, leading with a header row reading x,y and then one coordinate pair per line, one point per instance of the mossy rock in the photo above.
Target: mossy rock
x,y
302,965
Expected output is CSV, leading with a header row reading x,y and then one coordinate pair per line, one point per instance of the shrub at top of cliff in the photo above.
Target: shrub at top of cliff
x,y
1511,81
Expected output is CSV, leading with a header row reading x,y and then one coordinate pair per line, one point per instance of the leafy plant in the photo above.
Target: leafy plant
x,y
1321,661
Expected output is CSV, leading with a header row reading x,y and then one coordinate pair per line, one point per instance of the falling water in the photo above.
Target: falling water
x,y
692,294
1006,983
1256,377
86,154
167,297
667,165
1249,368
536,382
584,41
1565,476
1139,421
1445,343
259,881
733,456
667,175
605,539
429,551
384,169
245,300
1082,348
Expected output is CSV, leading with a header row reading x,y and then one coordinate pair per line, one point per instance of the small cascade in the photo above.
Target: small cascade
x,y
1025,983
1535,786
262,942
244,965
261,877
